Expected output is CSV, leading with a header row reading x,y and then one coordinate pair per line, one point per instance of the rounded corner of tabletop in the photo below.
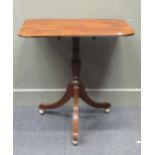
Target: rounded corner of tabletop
x,y
75,27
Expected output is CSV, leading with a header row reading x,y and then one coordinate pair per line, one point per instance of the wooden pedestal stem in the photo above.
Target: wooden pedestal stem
x,y
76,90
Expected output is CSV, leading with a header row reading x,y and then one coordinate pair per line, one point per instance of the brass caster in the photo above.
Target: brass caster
x,y
75,142
41,111
107,110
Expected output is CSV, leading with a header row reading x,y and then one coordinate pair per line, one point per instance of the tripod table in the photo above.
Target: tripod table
x,y
75,28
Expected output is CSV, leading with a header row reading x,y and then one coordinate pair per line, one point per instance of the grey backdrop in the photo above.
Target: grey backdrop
x,y
108,63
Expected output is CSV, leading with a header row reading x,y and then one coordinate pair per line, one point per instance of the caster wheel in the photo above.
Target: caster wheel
x,y
75,142
41,111
107,110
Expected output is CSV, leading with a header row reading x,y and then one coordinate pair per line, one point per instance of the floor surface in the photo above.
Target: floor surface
x,y
116,133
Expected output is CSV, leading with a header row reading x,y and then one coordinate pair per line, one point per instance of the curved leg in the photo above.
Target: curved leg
x,y
63,100
89,101
75,123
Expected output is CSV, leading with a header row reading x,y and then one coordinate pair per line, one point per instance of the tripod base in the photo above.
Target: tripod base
x,y
76,90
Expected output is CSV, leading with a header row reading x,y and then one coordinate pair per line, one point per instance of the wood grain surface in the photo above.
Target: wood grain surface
x,y
75,28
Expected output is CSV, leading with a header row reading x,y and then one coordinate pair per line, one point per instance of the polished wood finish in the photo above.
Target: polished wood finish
x,y
62,101
84,96
75,28
76,90
75,123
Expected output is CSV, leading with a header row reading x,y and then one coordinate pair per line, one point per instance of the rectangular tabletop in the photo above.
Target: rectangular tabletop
x,y
75,28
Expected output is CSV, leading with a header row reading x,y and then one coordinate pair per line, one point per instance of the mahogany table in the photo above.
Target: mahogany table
x,y
75,28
